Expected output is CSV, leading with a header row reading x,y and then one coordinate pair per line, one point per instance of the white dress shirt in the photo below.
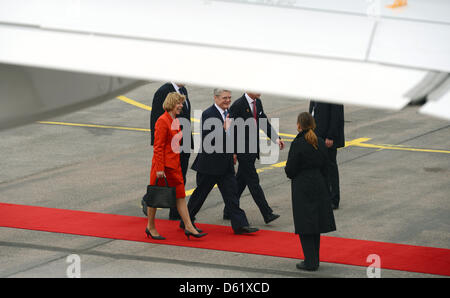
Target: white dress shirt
x,y
250,102
221,111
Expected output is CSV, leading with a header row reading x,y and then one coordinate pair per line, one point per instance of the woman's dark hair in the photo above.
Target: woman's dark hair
x,y
308,124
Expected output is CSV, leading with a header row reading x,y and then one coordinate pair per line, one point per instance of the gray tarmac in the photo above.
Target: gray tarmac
x,y
394,190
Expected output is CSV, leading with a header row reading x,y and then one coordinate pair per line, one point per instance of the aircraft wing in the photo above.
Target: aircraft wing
x,y
348,51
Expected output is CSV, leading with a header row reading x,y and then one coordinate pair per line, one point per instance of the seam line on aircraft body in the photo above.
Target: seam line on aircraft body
x,y
185,43
336,11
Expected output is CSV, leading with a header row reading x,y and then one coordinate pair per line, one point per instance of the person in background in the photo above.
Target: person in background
x,y
330,127
307,166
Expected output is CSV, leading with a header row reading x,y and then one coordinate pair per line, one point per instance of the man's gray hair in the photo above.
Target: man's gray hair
x,y
218,91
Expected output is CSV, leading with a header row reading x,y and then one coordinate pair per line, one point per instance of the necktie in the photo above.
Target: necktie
x,y
254,109
225,113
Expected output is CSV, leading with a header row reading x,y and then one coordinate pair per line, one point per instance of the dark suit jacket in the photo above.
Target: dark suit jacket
x,y
214,163
329,122
157,110
241,109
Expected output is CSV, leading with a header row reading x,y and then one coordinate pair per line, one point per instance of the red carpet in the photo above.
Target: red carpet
x,y
272,243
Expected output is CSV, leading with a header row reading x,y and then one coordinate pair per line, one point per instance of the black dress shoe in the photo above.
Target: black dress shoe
x,y
271,218
245,230
183,227
302,266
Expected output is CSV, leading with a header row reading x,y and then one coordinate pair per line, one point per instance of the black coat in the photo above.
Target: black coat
x,y
329,122
157,110
311,203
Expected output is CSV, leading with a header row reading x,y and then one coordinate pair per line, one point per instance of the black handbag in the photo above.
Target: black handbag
x,y
160,196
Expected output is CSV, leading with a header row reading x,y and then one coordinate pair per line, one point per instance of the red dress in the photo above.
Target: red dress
x,y
166,153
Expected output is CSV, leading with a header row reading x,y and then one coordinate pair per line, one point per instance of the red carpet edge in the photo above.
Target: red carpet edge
x,y
346,251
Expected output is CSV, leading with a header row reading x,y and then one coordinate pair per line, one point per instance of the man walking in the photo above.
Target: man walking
x,y
249,106
214,165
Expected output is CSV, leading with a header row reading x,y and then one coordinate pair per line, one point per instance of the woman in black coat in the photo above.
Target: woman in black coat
x,y
306,167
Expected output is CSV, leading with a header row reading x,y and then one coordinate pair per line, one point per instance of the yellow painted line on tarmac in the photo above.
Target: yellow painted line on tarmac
x,y
94,125
361,142
260,170
393,147
134,103
141,105
283,163
356,141
271,167
149,108
287,135
190,191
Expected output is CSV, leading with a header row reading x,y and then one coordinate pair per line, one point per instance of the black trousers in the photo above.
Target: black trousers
x,y
228,188
311,247
184,160
333,177
247,176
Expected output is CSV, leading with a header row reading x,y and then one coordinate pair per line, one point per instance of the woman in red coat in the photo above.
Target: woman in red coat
x,y
166,163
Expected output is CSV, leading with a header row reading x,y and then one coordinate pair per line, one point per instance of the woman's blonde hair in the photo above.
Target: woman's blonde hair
x,y
308,124
172,99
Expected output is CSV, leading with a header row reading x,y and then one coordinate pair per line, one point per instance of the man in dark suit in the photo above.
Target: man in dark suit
x,y
249,106
330,127
157,111
215,165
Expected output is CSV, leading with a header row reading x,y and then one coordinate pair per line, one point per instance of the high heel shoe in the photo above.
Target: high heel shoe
x,y
153,237
199,235
183,227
